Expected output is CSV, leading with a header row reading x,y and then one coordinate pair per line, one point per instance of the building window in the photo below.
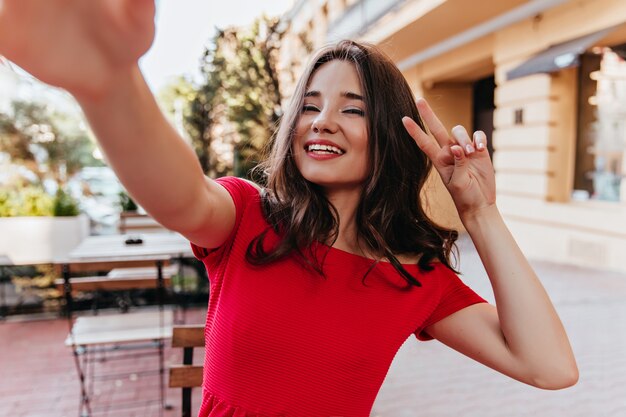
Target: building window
x,y
601,142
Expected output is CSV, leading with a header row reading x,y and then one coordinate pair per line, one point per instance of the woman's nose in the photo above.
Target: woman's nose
x,y
324,123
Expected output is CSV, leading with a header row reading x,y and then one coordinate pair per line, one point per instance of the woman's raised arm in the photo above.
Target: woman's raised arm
x,y
91,49
522,336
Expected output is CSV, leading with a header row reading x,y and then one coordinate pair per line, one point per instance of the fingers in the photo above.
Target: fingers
x,y
463,139
470,145
424,141
437,128
480,140
459,176
459,134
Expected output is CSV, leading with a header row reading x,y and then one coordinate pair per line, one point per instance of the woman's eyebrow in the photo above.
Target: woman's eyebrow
x,y
347,94
352,96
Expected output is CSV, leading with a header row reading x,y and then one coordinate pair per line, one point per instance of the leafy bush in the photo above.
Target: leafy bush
x,y
34,201
64,205
7,207
27,201
126,202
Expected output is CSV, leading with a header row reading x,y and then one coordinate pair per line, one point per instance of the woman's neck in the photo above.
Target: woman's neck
x,y
346,203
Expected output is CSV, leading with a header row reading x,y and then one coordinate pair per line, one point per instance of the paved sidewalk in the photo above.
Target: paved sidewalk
x,y
429,379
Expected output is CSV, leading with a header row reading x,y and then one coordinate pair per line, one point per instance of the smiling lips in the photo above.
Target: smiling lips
x,y
322,150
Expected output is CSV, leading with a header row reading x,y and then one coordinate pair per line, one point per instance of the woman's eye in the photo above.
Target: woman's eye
x,y
355,111
308,107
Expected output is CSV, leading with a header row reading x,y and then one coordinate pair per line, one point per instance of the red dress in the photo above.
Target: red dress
x,y
284,341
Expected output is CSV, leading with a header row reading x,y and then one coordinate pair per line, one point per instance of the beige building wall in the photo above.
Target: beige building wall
x,y
535,160
453,105
307,24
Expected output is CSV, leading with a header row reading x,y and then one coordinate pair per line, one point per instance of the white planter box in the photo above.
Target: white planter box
x,y
35,240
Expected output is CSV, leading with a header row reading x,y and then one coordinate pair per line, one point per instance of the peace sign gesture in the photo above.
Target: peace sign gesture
x,y
462,162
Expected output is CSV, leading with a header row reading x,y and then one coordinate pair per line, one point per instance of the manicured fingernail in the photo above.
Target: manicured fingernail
x,y
469,148
481,146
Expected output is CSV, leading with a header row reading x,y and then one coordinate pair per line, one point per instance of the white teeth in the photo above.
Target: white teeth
x,y
325,148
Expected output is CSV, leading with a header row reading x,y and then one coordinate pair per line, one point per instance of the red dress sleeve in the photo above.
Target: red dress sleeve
x,y
455,296
242,192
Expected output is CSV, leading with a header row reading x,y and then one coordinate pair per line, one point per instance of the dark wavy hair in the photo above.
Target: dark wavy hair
x,y
390,218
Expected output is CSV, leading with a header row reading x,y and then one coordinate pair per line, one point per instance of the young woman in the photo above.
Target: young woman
x,y
318,277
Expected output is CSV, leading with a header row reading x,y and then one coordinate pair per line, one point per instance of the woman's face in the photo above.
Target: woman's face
x,y
330,146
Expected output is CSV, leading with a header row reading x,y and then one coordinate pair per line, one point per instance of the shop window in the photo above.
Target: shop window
x,y
601,142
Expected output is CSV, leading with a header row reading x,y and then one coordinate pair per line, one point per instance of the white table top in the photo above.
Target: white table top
x,y
155,246
121,328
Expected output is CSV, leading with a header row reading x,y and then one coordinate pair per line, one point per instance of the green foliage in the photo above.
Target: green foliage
x,y
206,110
64,205
236,108
27,201
38,282
126,202
185,283
48,143
175,99
7,208
240,95
34,201
252,91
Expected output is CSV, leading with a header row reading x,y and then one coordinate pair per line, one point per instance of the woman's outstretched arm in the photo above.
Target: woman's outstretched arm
x,y
154,163
91,49
522,336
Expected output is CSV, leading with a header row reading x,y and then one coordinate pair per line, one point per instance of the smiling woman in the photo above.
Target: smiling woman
x,y
334,107
318,277
333,128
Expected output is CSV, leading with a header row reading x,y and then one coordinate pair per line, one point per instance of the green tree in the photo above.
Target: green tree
x,y
252,89
50,144
175,100
15,139
206,109
240,94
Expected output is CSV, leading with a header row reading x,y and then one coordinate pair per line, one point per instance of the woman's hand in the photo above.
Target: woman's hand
x,y
462,162
78,45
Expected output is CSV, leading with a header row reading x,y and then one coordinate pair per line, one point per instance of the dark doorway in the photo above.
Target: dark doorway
x,y
484,105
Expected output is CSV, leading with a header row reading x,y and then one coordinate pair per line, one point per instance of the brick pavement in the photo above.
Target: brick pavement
x,y
38,376
426,378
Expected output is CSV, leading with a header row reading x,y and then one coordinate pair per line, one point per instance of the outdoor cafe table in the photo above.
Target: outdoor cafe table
x,y
104,253
110,250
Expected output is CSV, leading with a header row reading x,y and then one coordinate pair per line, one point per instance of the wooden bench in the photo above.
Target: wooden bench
x,y
187,375
119,279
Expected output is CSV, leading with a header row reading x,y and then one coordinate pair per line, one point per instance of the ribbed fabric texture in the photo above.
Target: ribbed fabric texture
x,y
284,341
